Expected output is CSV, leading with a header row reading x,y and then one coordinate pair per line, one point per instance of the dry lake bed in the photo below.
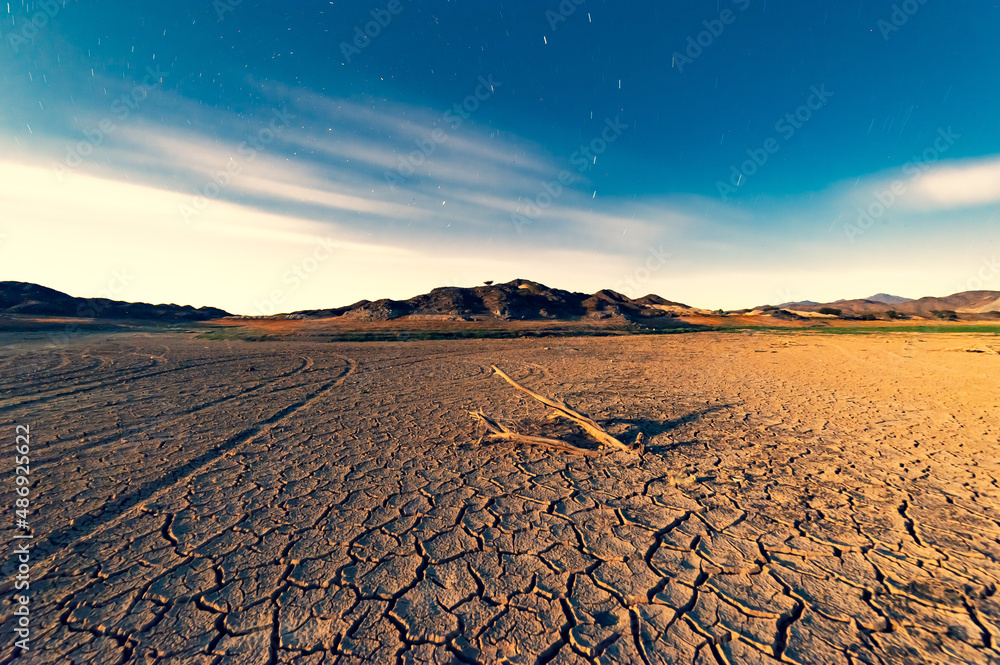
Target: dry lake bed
x,y
803,498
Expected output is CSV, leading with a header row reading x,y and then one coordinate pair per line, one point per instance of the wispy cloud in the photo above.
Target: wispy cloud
x,y
963,184
330,164
323,176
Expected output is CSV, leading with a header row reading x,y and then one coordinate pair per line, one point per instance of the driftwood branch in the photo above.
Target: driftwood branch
x,y
498,431
564,410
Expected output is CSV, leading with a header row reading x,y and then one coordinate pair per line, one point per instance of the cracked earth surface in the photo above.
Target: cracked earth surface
x,y
803,499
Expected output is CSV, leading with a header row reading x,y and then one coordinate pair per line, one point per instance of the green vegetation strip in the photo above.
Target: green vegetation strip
x,y
868,330
249,335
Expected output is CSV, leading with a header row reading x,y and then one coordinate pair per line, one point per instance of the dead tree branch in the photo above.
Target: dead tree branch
x,y
564,410
498,431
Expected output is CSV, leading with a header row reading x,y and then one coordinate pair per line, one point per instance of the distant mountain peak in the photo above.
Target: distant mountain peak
x,y
798,303
889,299
968,304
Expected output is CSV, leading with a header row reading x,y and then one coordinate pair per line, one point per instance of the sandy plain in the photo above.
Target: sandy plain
x,y
805,498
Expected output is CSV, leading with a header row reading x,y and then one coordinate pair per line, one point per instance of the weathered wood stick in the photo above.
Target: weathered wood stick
x,y
498,431
586,423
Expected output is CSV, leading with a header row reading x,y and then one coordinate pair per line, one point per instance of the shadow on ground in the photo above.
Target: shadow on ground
x,y
652,428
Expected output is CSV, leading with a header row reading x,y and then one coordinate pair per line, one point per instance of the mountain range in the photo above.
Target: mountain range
x,y
887,299
520,299
32,299
517,300
884,298
968,304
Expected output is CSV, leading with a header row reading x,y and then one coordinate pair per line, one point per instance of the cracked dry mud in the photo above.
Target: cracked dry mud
x,y
806,499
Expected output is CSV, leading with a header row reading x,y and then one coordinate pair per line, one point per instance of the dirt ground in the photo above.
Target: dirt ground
x,y
803,498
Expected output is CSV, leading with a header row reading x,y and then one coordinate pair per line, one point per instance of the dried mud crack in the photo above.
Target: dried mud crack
x,y
834,501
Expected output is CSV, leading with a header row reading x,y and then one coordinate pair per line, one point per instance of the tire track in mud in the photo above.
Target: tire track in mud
x,y
21,369
103,383
130,505
127,398
727,546
370,369
110,435
45,376
307,364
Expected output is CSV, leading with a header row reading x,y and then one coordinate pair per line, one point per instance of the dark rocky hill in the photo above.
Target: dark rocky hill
x,y
517,300
34,300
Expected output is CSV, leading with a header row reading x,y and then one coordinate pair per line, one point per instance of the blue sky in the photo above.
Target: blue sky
x,y
265,156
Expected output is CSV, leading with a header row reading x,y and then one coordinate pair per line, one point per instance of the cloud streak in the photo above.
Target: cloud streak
x,y
322,176
958,185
